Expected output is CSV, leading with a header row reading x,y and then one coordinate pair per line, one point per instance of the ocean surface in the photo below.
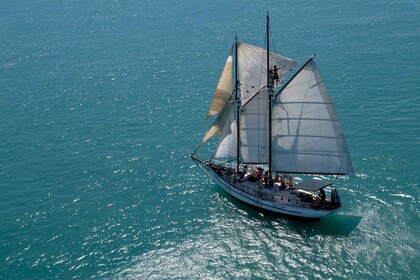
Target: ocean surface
x,y
102,102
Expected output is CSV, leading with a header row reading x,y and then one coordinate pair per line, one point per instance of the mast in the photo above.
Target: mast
x,y
270,93
237,103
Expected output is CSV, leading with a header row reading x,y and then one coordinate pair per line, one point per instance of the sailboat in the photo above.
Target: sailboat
x,y
274,130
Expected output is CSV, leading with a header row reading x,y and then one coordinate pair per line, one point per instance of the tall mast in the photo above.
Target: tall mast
x,y
270,94
237,103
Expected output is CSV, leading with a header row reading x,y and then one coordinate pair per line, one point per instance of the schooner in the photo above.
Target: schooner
x,y
271,129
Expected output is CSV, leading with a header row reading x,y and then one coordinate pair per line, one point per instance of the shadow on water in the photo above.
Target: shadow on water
x,y
336,225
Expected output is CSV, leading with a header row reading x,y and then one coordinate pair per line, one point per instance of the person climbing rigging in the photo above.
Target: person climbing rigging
x,y
275,75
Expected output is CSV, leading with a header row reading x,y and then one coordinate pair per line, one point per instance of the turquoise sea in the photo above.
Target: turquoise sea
x,y
103,101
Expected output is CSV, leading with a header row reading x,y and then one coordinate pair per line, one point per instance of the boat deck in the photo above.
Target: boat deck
x,y
289,196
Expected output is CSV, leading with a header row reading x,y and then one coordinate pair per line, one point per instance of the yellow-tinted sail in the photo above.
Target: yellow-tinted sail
x,y
223,90
217,126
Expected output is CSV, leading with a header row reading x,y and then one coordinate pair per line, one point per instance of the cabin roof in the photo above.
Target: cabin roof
x,y
313,185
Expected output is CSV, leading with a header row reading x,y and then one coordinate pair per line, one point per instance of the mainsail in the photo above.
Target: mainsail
x,y
254,129
306,132
252,62
307,136
254,98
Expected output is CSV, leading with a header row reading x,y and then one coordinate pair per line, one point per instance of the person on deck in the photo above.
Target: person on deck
x,y
290,183
256,173
275,75
282,184
322,194
276,178
242,174
265,178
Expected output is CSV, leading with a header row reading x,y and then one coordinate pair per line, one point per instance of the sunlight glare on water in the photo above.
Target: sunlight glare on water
x,y
102,103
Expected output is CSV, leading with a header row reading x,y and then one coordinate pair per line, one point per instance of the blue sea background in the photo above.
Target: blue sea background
x,y
102,103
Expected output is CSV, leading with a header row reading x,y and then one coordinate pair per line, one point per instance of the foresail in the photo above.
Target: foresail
x,y
226,147
218,125
223,90
254,129
252,63
307,136
225,126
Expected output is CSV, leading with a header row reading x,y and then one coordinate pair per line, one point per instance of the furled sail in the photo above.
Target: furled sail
x,y
254,129
223,90
307,136
252,63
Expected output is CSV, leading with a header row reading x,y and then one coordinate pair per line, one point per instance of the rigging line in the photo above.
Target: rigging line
x,y
200,144
294,76
320,98
270,97
261,73
237,103
281,76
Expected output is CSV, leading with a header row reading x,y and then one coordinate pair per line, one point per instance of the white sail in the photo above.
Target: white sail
x,y
223,90
294,131
254,129
252,63
226,147
307,136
